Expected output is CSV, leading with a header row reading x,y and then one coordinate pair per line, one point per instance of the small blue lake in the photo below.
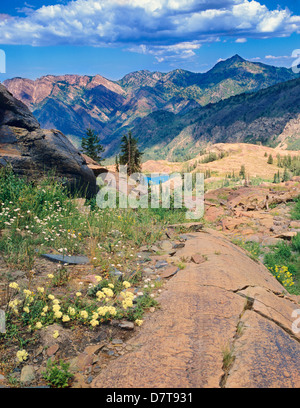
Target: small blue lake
x,y
156,179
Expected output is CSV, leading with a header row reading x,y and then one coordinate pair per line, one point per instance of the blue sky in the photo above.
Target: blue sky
x,y
114,37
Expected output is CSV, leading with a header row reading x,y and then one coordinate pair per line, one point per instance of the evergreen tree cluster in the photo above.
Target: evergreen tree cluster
x,y
91,146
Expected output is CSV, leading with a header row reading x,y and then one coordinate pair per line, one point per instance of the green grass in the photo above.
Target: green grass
x,y
37,218
295,213
253,248
285,257
57,374
44,217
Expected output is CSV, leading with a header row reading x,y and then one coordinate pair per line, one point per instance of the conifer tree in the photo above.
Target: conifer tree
x,y
91,146
130,154
243,171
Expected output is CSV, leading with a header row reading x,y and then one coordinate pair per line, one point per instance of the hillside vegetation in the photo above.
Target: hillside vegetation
x,y
263,117
71,103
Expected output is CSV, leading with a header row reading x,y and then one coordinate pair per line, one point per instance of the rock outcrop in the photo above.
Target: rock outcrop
x,y
224,322
32,151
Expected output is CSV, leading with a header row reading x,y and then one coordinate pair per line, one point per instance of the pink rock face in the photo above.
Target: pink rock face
x,y
228,302
33,92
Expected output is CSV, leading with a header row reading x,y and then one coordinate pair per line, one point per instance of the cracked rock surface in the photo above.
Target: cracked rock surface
x,y
228,302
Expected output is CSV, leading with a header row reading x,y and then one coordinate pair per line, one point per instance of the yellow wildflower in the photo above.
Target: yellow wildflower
x,y
22,355
39,325
84,314
14,285
40,289
55,334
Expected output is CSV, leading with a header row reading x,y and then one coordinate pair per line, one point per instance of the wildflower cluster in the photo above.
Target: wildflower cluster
x,y
283,275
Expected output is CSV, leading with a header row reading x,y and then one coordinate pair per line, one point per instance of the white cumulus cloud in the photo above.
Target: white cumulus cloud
x,y
163,28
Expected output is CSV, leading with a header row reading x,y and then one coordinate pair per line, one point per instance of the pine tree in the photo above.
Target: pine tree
x,y
243,171
270,159
91,146
278,160
276,178
130,154
286,175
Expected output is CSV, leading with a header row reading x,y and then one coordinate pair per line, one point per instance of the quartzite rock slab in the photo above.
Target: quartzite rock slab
x,y
181,344
274,307
201,310
227,265
266,356
71,260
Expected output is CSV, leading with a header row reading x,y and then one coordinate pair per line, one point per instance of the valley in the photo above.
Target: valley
x,y
167,110
100,298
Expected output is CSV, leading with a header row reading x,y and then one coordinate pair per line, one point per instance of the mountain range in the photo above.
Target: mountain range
x,y
169,112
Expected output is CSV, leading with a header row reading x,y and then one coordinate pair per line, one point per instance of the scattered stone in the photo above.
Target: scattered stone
x,y
118,274
184,237
198,259
161,264
170,271
79,381
144,256
94,349
148,271
47,338
166,245
84,360
178,246
90,279
27,374
253,238
39,351
99,337
144,248
90,379
52,350
117,342
126,325
271,241
295,224
287,235
71,260
154,248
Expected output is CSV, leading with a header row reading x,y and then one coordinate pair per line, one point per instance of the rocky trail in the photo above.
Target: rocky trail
x,y
224,321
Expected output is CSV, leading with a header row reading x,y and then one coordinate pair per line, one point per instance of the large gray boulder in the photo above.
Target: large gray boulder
x,y
33,152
